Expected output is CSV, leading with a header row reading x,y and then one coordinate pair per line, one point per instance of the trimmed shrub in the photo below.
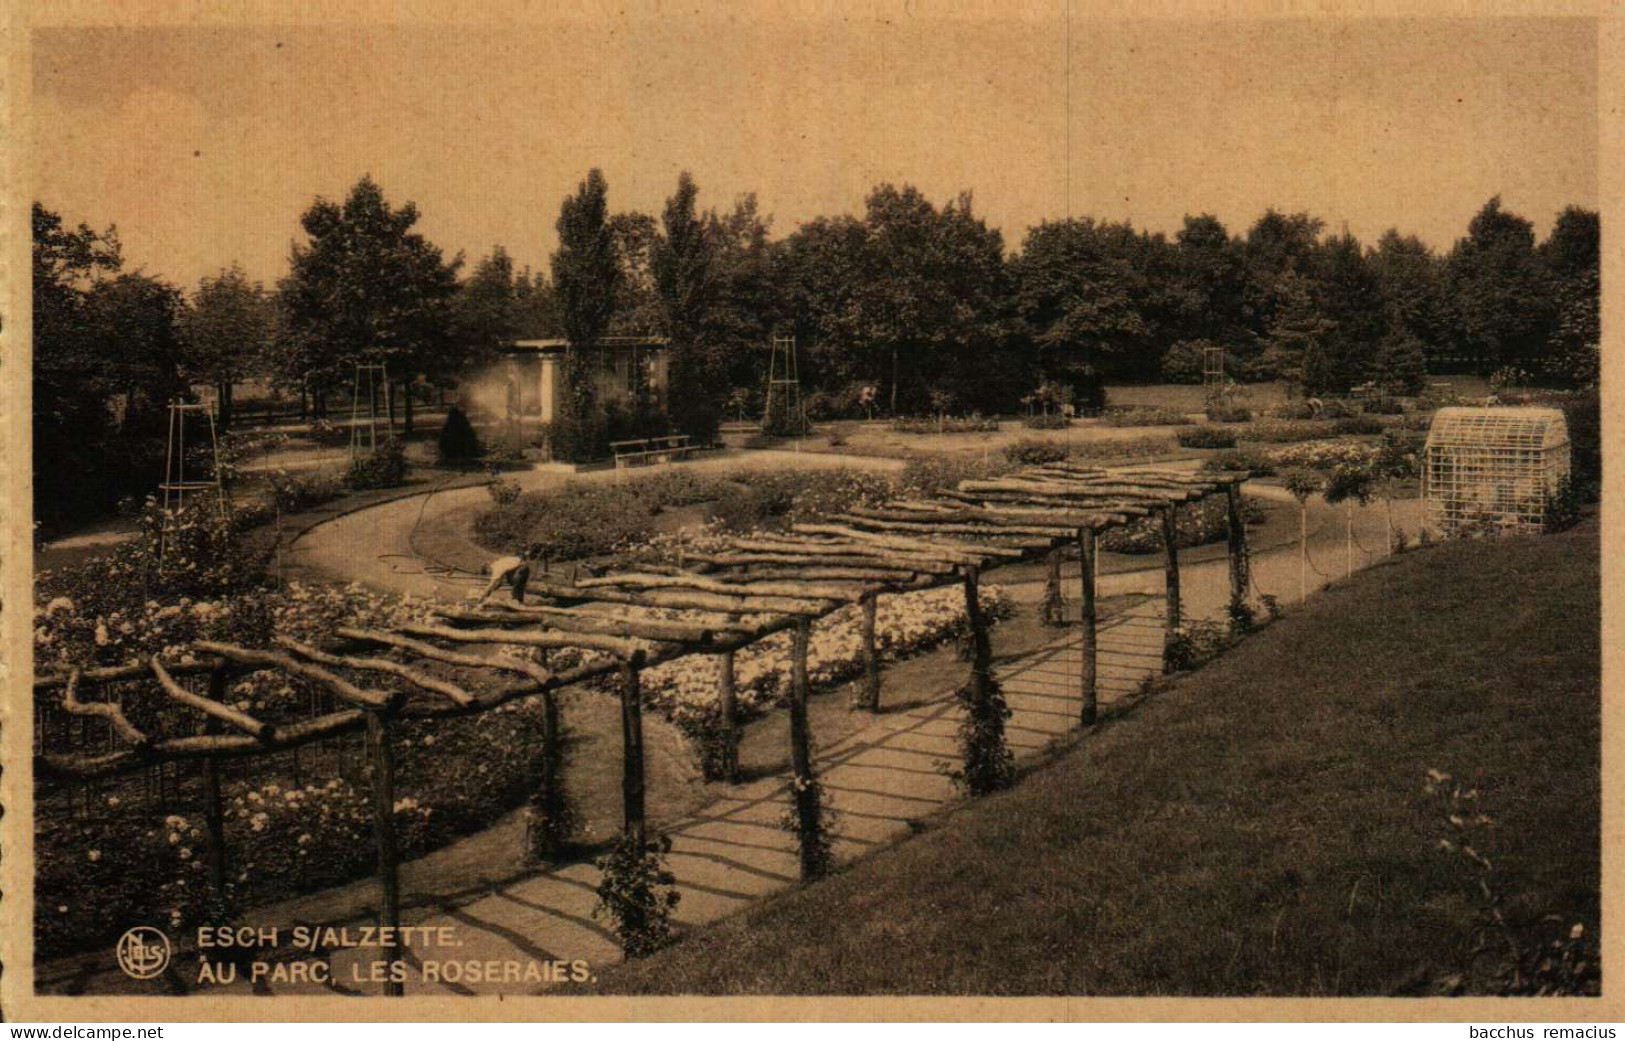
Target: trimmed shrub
x,y
971,424
1032,451
458,442
1252,460
1358,425
1206,437
1046,421
1146,417
1284,433
1229,414
384,468
1385,406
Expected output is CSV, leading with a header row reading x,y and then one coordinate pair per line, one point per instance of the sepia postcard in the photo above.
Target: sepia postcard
x,y
861,510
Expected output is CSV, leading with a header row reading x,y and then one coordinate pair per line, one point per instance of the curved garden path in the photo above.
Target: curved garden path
x,y
884,781
418,545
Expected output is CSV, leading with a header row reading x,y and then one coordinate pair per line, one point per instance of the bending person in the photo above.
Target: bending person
x,y
505,571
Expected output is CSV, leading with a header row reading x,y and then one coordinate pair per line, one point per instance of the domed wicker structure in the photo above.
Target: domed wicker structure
x,y
1492,468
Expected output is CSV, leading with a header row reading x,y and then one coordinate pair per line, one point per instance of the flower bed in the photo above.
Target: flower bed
x,y
454,776
1145,416
905,623
971,424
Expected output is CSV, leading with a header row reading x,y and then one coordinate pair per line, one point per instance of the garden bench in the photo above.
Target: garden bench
x,y
651,449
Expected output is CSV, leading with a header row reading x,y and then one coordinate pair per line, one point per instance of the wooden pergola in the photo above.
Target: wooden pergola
x,y
758,585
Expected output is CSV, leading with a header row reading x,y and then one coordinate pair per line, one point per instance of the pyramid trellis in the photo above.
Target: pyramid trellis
x,y
754,587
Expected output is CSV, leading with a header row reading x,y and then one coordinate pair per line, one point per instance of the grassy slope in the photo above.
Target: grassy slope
x,y
1257,827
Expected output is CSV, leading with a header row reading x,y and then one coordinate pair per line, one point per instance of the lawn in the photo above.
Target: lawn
x,y
1257,827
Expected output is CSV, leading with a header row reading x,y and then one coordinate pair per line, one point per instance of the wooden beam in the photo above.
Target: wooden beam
x,y
954,552
412,676
696,601
276,660
819,590
1056,531
103,709
225,746
616,645
796,572
429,650
214,709
824,550
576,621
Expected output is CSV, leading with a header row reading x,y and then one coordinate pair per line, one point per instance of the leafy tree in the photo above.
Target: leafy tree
x,y
1501,290
1350,299
367,288
928,285
106,364
485,314
1414,296
536,310
747,298
1209,287
682,268
586,277
1080,294
226,333
1572,255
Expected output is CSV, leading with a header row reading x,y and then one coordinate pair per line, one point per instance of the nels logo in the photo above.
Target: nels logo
x,y
143,952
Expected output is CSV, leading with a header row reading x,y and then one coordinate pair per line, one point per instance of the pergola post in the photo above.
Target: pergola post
x,y
381,755
730,718
1051,612
871,656
551,767
981,646
1086,622
1237,544
1170,542
214,811
802,789
632,749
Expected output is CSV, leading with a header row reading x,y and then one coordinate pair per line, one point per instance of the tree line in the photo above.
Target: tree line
x,y
922,304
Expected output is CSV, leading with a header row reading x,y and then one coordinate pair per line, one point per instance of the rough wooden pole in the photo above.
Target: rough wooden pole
x,y
807,809
214,811
871,656
730,719
551,766
1086,621
381,754
1303,551
1238,545
214,820
632,749
1052,611
1170,542
981,646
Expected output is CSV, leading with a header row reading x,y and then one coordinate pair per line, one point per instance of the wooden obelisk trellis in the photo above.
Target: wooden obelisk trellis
x,y
757,585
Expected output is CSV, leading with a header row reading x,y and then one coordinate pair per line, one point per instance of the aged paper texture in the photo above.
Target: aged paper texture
x,y
884,510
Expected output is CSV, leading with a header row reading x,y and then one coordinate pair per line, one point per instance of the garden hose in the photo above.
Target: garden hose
x,y
427,566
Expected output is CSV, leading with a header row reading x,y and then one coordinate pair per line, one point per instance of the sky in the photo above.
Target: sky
x,y
204,144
